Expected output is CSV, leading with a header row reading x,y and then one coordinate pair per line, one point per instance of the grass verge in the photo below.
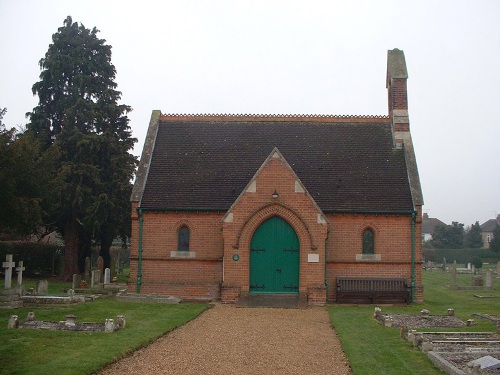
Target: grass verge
x,y
60,352
372,348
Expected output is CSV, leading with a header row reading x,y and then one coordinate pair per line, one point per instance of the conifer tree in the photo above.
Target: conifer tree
x,y
78,113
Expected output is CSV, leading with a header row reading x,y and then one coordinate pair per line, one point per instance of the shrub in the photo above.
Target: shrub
x,y
476,261
39,259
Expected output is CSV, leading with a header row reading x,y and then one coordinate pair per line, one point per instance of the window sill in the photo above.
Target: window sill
x,y
368,257
183,254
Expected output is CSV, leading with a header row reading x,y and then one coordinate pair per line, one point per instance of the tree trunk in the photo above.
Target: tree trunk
x,y
71,238
104,251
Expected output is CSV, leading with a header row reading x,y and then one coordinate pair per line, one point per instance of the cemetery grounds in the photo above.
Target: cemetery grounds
x,y
370,347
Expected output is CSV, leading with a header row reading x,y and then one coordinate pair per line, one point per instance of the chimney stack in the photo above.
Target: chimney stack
x,y
397,75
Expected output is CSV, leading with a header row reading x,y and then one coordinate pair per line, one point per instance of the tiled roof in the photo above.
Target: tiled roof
x,y
490,225
345,165
429,224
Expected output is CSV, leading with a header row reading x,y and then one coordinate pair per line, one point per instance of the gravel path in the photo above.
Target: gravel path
x,y
231,340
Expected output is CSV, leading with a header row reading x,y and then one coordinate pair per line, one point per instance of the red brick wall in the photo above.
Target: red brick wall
x,y
393,242
212,239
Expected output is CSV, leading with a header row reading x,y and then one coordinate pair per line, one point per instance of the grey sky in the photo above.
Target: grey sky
x,y
296,57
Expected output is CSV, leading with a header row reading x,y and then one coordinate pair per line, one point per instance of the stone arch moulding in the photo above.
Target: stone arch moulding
x,y
274,209
182,223
368,225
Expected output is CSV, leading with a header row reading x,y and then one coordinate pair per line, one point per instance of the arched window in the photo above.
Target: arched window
x,y
368,242
183,240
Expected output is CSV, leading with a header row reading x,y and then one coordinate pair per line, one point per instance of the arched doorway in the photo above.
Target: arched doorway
x,y
274,258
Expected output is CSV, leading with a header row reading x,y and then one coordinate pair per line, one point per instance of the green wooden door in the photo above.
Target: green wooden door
x,y
274,258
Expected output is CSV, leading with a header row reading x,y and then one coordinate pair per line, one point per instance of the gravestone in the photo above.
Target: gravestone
x,y
454,273
20,270
77,279
469,266
94,279
8,265
477,280
486,363
86,272
489,279
473,269
42,287
100,267
107,276
443,267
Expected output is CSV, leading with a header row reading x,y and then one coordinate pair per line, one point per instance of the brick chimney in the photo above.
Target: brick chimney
x,y
397,75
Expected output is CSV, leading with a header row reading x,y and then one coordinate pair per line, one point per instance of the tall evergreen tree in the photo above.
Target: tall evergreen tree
x,y
78,112
473,236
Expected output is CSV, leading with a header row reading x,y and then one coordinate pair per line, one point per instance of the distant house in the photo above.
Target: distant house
x,y
488,227
428,226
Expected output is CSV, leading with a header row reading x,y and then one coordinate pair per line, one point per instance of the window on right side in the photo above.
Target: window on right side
x,y
368,242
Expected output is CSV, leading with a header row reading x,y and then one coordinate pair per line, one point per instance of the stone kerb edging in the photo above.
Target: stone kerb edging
x,y
70,324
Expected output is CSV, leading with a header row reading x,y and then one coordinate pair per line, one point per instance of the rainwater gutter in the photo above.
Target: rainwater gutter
x,y
326,269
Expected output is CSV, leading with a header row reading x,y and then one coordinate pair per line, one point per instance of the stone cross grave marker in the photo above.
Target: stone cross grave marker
x,y
107,276
8,265
20,270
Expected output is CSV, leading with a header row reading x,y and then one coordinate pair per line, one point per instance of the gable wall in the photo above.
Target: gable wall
x,y
256,205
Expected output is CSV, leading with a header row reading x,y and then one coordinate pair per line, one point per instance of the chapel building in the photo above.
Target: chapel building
x,y
225,206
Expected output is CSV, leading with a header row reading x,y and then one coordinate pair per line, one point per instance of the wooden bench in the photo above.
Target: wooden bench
x,y
372,290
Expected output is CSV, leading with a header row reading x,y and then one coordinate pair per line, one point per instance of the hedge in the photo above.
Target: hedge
x,y
462,256
39,260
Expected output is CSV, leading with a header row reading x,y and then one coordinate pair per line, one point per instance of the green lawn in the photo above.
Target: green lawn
x,y
372,348
61,352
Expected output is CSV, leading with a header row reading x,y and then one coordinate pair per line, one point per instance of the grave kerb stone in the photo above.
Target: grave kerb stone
x,y
487,363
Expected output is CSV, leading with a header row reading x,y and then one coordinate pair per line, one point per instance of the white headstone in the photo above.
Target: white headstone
x,y
20,270
8,265
107,276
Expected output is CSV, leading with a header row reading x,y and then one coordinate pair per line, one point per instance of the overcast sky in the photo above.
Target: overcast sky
x,y
296,57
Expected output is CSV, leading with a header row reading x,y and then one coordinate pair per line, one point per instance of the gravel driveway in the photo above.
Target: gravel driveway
x,y
231,340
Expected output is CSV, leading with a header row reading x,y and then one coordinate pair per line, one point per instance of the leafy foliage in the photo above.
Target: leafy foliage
x,y
473,236
79,115
448,236
26,183
495,242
